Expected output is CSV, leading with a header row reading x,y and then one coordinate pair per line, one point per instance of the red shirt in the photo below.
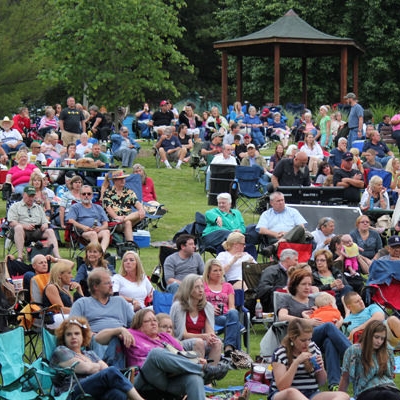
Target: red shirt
x,y
197,327
20,123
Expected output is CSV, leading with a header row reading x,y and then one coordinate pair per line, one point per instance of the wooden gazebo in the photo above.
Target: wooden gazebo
x,y
289,36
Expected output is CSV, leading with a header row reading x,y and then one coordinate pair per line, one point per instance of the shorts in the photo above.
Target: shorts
x,y
174,157
391,339
30,236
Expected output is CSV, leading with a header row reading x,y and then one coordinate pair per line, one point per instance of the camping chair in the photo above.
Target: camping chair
x,y
249,188
157,276
153,213
18,381
195,160
383,286
199,226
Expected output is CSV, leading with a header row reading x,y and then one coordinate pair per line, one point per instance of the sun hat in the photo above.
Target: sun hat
x,y
6,119
119,174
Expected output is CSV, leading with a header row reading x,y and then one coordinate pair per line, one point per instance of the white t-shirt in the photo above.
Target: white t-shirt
x,y
137,290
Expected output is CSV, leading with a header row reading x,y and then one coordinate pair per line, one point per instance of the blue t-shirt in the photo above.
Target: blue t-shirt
x,y
355,113
362,317
95,215
172,143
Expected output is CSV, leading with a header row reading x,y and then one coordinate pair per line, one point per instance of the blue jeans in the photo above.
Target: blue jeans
x,y
173,287
171,373
127,156
258,138
333,343
108,384
8,149
353,135
383,160
232,328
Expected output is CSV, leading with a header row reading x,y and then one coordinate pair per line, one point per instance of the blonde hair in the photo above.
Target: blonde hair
x,y
233,238
324,299
140,274
37,175
355,151
207,268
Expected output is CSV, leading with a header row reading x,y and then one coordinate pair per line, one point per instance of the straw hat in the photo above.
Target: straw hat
x,y
6,119
119,174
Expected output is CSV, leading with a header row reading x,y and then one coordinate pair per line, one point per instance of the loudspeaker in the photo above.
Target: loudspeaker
x,y
220,181
345,217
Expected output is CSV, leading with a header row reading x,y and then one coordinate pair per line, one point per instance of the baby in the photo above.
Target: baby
x,y
326,310
350,251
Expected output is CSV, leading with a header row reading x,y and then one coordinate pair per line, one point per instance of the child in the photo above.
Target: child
x,y
357,163
327,310
350,251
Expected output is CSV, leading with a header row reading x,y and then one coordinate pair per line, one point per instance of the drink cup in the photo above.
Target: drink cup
x,y
32,159
72,162
315,364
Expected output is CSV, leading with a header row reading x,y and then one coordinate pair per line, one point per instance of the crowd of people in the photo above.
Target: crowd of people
x,y
99,306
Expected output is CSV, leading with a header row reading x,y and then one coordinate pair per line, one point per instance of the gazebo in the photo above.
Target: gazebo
x,y
289,36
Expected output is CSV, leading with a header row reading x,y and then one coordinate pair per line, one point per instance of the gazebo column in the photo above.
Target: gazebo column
x,y
224,82
355,74
304,80
277,60
239,73
343,72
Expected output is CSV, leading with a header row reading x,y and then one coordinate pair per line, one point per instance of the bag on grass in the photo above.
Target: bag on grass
x,y
240,359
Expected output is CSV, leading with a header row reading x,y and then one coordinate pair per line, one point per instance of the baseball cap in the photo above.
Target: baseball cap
x,y
265,111
347,156
216,134
251,145
350,95
70,174
394,241
246,136
29,190
163,103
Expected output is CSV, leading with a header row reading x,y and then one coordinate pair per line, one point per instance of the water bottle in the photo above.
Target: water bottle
x,y
371,203
259,310
109,157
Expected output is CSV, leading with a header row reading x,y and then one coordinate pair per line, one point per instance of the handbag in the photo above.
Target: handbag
x,y
240,359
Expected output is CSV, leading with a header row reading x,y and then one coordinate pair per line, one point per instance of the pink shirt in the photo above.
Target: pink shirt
x,y
137,354
396,127
216,298
20,176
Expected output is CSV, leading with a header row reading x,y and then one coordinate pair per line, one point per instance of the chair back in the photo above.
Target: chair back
x,y
134,182
251,273
12,347
304,250
162,302
385,175
248,180
49,343
38,283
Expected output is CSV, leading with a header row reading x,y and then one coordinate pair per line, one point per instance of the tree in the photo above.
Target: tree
x,y
117,50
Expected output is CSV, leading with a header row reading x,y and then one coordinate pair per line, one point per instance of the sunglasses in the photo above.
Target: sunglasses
x,y
87,194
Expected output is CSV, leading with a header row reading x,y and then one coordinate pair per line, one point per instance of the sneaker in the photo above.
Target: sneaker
x,y
168,166
178,167
214,372
334,388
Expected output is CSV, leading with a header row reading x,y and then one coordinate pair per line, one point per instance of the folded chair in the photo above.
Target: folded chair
x,y
157,276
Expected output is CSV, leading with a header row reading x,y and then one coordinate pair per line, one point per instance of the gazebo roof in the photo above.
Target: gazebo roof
x,y
296,39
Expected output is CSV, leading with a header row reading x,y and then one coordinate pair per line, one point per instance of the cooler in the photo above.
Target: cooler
x,y
142,238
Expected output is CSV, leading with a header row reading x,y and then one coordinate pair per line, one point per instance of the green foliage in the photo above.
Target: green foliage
x,y
116,50
379,110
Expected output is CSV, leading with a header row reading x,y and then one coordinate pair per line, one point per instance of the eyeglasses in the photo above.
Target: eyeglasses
x,y
86,194
29,212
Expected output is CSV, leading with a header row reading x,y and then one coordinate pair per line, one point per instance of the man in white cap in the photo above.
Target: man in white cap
x,y
356,119
10,139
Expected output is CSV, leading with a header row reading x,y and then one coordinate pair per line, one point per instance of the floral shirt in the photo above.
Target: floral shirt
x,y
121,204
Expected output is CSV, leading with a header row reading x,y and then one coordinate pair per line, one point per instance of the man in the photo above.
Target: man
x,y
185,261
170,149
213,147
349,178
98,123
292,171
118,202
280,223
356,119
275,277
72,122
224,158
22,122
229,138
163,118
100,159
102,309
124,148
370,156
383,154
10,139
29,223
90,219
393,248
335,158
35,155
241,150
360,315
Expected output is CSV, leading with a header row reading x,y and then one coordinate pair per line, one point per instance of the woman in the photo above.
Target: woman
x,y
193,316
96,377
369,366
298,368
309,125
84,147
232,258
327,277
314,153
160,367
41,197
237,115
291,151
48,122
280,129
58,109
132,283
254,125
190,119
326,335
94,258
324,128
148,189
222,296
58,290
18,175
143,117
375,195
276,157
324,170
366,238
323,234
185,139
216,123
393,166
70,197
